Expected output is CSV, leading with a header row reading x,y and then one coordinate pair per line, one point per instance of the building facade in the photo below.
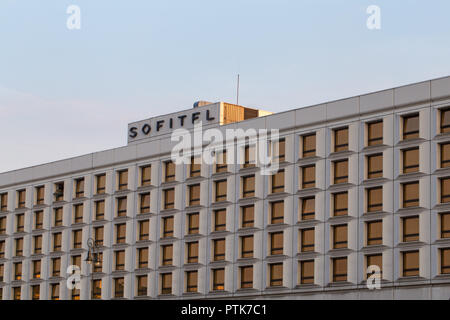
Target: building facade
x,y
363,181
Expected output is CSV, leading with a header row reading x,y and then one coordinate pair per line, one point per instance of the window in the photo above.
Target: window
x,y
96,289
57,238
247,216
40,192
276,243
16,293
141,285
54,291
276,274
340,234
35,292
36,269
410,194
445,225
19,247
281,156
119,284
307,272
410,160
166,283
445,261
219,249
308,208
38,219
246,277
76,238
121,232
195,167
309,145
76,260
122,178
249,156
98,235
144,203
374,199
375,133
374,233
98,267
411,126
445,120
3,202
169,198
411,263
122,206
167,255
78,213
143,230
445,190
307,240
410,229
218,279
79,188
75,294
2,225
21,196
120,260
278,182
375,166
167,226
191,281
146,176
56,267
339,269
220,219
341,139
2,272
100,183
58,217
374,260
193,223
194,195
59,191
2,249
100,210
37,244
142,254
248,185
277,212
221,161
20,222
18,271
247,247
340,203
192,252
221,190
169,171
445,155
340,171
309,176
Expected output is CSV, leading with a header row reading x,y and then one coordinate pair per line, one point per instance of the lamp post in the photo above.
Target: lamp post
x,y
93,259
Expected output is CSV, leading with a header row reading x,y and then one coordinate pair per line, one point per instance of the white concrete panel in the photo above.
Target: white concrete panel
x,y
440,88
310,115
411,94
343,108
373,102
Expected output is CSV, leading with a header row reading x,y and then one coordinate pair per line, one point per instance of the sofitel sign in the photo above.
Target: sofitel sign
x,y
156,125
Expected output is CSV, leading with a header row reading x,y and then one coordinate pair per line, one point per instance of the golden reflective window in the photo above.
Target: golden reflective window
x,y
309,145
411,126
341,139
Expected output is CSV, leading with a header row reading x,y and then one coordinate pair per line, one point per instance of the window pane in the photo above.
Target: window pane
x,y
445,225
307,238
146,173
219,249
194,195
309,145
276,274
410,263
308,177
445,155
170,171
307,272
411,229
248,186
375,199
374,233
169,198
278,182
218,279
193,223
247,247
340,236
411,127
308,208
340,204
277,212
220,220
247,277
340,171
445,190
445,120
341,139
339,269
276,243
411,160
221,190
375,260
248,216
445,261
375,166
411,194
375,132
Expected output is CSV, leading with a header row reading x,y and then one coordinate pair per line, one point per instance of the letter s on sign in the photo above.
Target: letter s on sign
x,y
132,132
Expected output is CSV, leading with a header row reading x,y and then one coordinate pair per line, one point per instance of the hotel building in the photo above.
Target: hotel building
x,y
363,181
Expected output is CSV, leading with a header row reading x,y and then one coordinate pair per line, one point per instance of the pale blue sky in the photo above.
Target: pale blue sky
x,y
66,93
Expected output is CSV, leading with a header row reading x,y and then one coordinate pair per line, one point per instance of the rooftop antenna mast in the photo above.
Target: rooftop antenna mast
x,y
237,93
